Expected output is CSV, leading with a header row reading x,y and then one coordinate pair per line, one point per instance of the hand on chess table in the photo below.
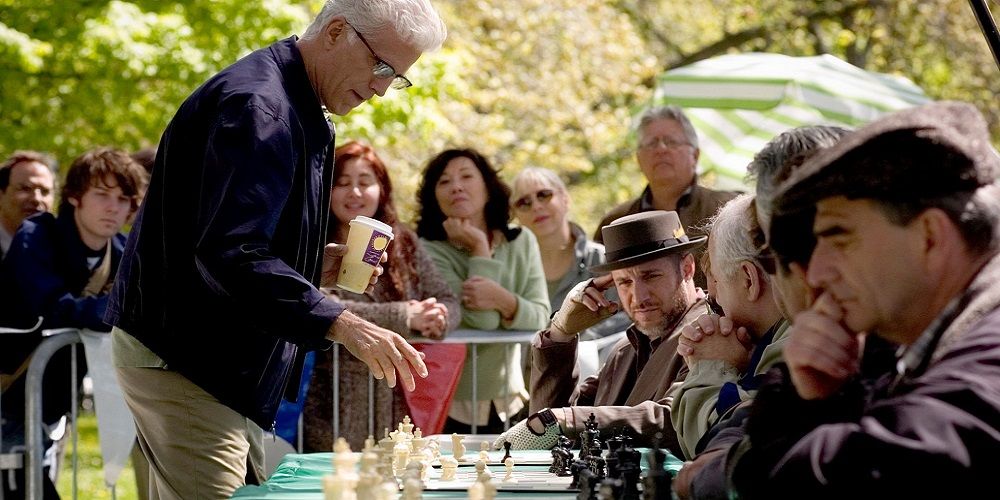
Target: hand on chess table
x,y
540,431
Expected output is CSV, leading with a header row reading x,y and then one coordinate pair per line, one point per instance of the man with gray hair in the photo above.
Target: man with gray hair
x,y
231,232
667,153
726,369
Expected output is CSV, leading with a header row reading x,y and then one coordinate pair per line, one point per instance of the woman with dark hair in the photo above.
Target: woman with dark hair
x,y
410,298
495,269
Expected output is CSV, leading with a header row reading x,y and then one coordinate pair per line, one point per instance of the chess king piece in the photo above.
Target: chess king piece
x,y
448,467
406,426
508,464
457,446
591,441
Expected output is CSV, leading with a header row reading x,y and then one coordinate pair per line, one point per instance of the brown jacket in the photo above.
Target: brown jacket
x,y
693,208
623,393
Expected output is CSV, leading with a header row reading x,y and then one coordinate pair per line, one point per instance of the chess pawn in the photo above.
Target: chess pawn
x,y
413,489
448,468
369,443
484,451
477,491
483,472
387,442
509,466
457,446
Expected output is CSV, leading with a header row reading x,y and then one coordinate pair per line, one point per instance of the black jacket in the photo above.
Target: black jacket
x,y
220,270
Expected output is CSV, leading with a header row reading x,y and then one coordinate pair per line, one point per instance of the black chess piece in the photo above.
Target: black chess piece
x,y
506,451
597,465
657,483
562,457
576,468
591,440
588,484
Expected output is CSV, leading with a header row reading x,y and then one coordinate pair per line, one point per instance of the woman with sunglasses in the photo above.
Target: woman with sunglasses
x,y
411,298
541,203
496,271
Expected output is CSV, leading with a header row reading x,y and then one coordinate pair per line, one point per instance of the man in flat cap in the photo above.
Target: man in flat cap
x,y
650,262
907,227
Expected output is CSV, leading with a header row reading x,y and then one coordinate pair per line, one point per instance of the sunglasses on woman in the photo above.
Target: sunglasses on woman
x,y
524,203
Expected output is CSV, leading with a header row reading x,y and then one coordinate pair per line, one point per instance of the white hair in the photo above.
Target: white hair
x,y
731,236
539,174
416,22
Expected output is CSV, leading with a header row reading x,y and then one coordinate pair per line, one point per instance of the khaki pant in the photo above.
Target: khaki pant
x,y
197,447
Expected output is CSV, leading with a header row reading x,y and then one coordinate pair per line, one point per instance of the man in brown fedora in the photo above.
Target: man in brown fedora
x,y
906,215
650,262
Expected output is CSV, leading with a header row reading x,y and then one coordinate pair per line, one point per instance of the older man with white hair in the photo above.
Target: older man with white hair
x,y
217,295
726,366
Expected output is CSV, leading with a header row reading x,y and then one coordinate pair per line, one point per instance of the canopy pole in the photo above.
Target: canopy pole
x,y
989,27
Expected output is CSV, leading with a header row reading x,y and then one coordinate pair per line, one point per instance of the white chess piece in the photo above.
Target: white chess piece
x,y
407,426
448,467
509,466
342,484
457,446
400,454
484,453
476,491
483,472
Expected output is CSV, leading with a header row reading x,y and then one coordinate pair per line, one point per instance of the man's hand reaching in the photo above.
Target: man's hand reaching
x,y
385,352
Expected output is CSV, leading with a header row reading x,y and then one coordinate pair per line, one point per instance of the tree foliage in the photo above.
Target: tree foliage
x,y
554,83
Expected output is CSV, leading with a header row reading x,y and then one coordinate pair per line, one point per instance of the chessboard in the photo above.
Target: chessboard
x,y
536,479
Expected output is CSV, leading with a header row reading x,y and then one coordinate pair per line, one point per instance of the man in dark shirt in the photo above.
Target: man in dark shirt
x,y
60,269
216,299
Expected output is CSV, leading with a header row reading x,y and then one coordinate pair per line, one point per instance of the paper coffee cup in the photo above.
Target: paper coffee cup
x,y
366,242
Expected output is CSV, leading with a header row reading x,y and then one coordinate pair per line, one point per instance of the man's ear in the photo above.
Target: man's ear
x,y
752,281
74,201
936,230
334,28
687,266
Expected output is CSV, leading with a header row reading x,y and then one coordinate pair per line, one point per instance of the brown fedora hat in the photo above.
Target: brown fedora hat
x,y
641,237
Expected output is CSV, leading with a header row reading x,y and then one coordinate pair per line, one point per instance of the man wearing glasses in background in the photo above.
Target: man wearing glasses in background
x,y
216,300
668,157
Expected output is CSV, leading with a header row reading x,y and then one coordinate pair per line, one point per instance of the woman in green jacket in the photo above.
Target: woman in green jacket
x,y
495,270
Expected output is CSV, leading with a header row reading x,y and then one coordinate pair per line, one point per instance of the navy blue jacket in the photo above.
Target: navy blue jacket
x,y
44,274
220,270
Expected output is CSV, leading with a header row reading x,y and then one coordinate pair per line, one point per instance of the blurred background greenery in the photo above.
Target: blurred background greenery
x,y
554,83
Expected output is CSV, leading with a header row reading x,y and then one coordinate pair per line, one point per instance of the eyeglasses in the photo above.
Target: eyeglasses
x,y
654,142
524,203
767,260
382,69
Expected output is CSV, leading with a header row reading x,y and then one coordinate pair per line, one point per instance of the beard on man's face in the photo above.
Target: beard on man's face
x,y
669,318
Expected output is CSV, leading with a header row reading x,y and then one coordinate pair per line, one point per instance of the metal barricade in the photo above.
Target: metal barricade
x,y
34,452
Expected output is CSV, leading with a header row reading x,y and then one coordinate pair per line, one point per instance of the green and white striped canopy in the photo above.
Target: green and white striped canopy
x,y
739,102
